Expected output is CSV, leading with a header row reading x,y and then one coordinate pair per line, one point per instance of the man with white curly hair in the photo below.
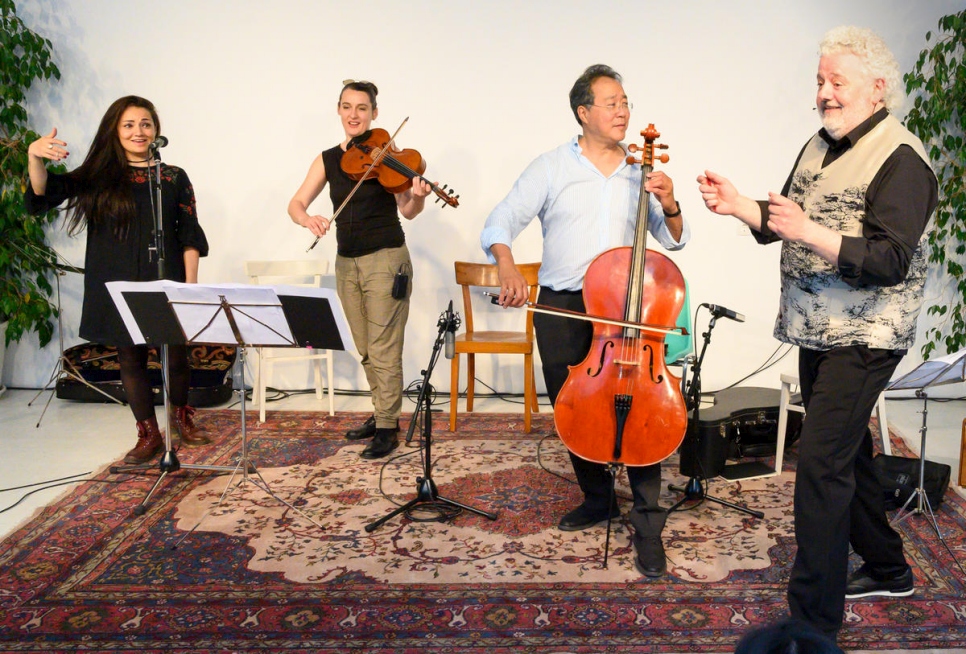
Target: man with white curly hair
x,y
852,219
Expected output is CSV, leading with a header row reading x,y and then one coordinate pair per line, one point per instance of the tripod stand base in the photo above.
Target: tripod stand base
x,y
694,491
917,504
426,493
168,463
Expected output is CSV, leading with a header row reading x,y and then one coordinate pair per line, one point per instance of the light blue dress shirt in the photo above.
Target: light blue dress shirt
x,y
582,213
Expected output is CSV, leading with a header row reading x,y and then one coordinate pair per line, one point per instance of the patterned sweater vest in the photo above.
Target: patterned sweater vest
x,y
818,309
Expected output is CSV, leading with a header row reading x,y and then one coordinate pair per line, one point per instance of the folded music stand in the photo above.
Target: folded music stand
x,y
165,312
949,369
64,368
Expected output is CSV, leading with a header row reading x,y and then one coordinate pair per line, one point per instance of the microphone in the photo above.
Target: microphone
x,y
449,322
449,343
723,312
158,143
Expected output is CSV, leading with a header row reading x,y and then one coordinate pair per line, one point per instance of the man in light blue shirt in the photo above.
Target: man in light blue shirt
x,y
586,197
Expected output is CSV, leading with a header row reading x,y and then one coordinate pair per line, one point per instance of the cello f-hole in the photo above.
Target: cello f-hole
x,y
603,356
650,365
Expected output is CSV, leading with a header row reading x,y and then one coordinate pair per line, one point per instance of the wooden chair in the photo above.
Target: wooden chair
x,y
474,341
307,272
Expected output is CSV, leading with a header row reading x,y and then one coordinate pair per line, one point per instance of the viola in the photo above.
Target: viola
x,y
621,404
373,155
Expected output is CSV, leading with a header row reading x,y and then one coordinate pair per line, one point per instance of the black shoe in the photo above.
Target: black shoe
x,y
367,430
584,518
383,442
650,560
863,583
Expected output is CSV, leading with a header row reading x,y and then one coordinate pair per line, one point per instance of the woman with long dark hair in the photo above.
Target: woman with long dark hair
x,y
110,195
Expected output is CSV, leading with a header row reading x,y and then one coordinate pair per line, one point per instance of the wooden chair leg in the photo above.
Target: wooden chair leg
x,y
454,391
470,381
535,401
527,391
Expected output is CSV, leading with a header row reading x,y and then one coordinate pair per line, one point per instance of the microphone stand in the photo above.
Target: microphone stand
x,y
426,492
169,459
694,490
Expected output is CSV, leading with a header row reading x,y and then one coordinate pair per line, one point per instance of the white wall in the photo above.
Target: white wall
x,y
247,94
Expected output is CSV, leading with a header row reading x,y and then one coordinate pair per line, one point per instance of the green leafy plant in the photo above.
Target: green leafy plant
x,y
938,117
26,259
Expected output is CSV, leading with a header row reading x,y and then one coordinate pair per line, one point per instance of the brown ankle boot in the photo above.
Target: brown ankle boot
x,y
149,442
183,424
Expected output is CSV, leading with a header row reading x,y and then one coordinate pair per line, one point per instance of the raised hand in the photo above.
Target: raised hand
x,y
49,147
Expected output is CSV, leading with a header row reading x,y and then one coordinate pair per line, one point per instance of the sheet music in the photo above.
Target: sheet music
x,y
204,318
948,369
255,309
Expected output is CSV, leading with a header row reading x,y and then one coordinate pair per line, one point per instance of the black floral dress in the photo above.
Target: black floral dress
x,y
129,259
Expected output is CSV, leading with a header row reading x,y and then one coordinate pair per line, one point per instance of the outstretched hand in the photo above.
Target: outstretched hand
x,y
718,193
49,147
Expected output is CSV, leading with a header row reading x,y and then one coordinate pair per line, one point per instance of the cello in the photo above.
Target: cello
x,y
621,404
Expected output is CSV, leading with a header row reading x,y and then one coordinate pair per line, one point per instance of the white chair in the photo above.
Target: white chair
x,y
785,405
307,272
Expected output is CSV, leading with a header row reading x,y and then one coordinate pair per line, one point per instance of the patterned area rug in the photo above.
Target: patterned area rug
x,y
219,564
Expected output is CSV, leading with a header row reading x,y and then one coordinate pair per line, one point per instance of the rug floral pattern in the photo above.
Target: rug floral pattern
x,y
248,572
341,494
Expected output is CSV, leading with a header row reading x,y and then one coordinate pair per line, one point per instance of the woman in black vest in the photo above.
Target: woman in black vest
x,y
371,251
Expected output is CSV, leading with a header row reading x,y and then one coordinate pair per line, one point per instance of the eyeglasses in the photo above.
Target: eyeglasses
x,y
347,82
614,108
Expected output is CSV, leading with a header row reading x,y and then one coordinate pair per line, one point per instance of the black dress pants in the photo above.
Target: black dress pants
x,y
838,499
564,342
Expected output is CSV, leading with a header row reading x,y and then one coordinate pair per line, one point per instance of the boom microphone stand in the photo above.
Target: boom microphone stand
x,y
694,490
426,492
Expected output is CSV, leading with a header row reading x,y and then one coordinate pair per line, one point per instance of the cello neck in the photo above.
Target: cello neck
x,y
639,251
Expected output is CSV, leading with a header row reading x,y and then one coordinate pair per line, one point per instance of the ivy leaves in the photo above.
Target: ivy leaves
x,y
26,259
938,118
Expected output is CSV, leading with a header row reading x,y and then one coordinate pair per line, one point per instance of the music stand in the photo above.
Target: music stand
x,y
949,369
228,314
64,368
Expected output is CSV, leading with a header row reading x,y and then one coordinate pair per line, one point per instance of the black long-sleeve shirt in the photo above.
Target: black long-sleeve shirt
x,y
899,201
